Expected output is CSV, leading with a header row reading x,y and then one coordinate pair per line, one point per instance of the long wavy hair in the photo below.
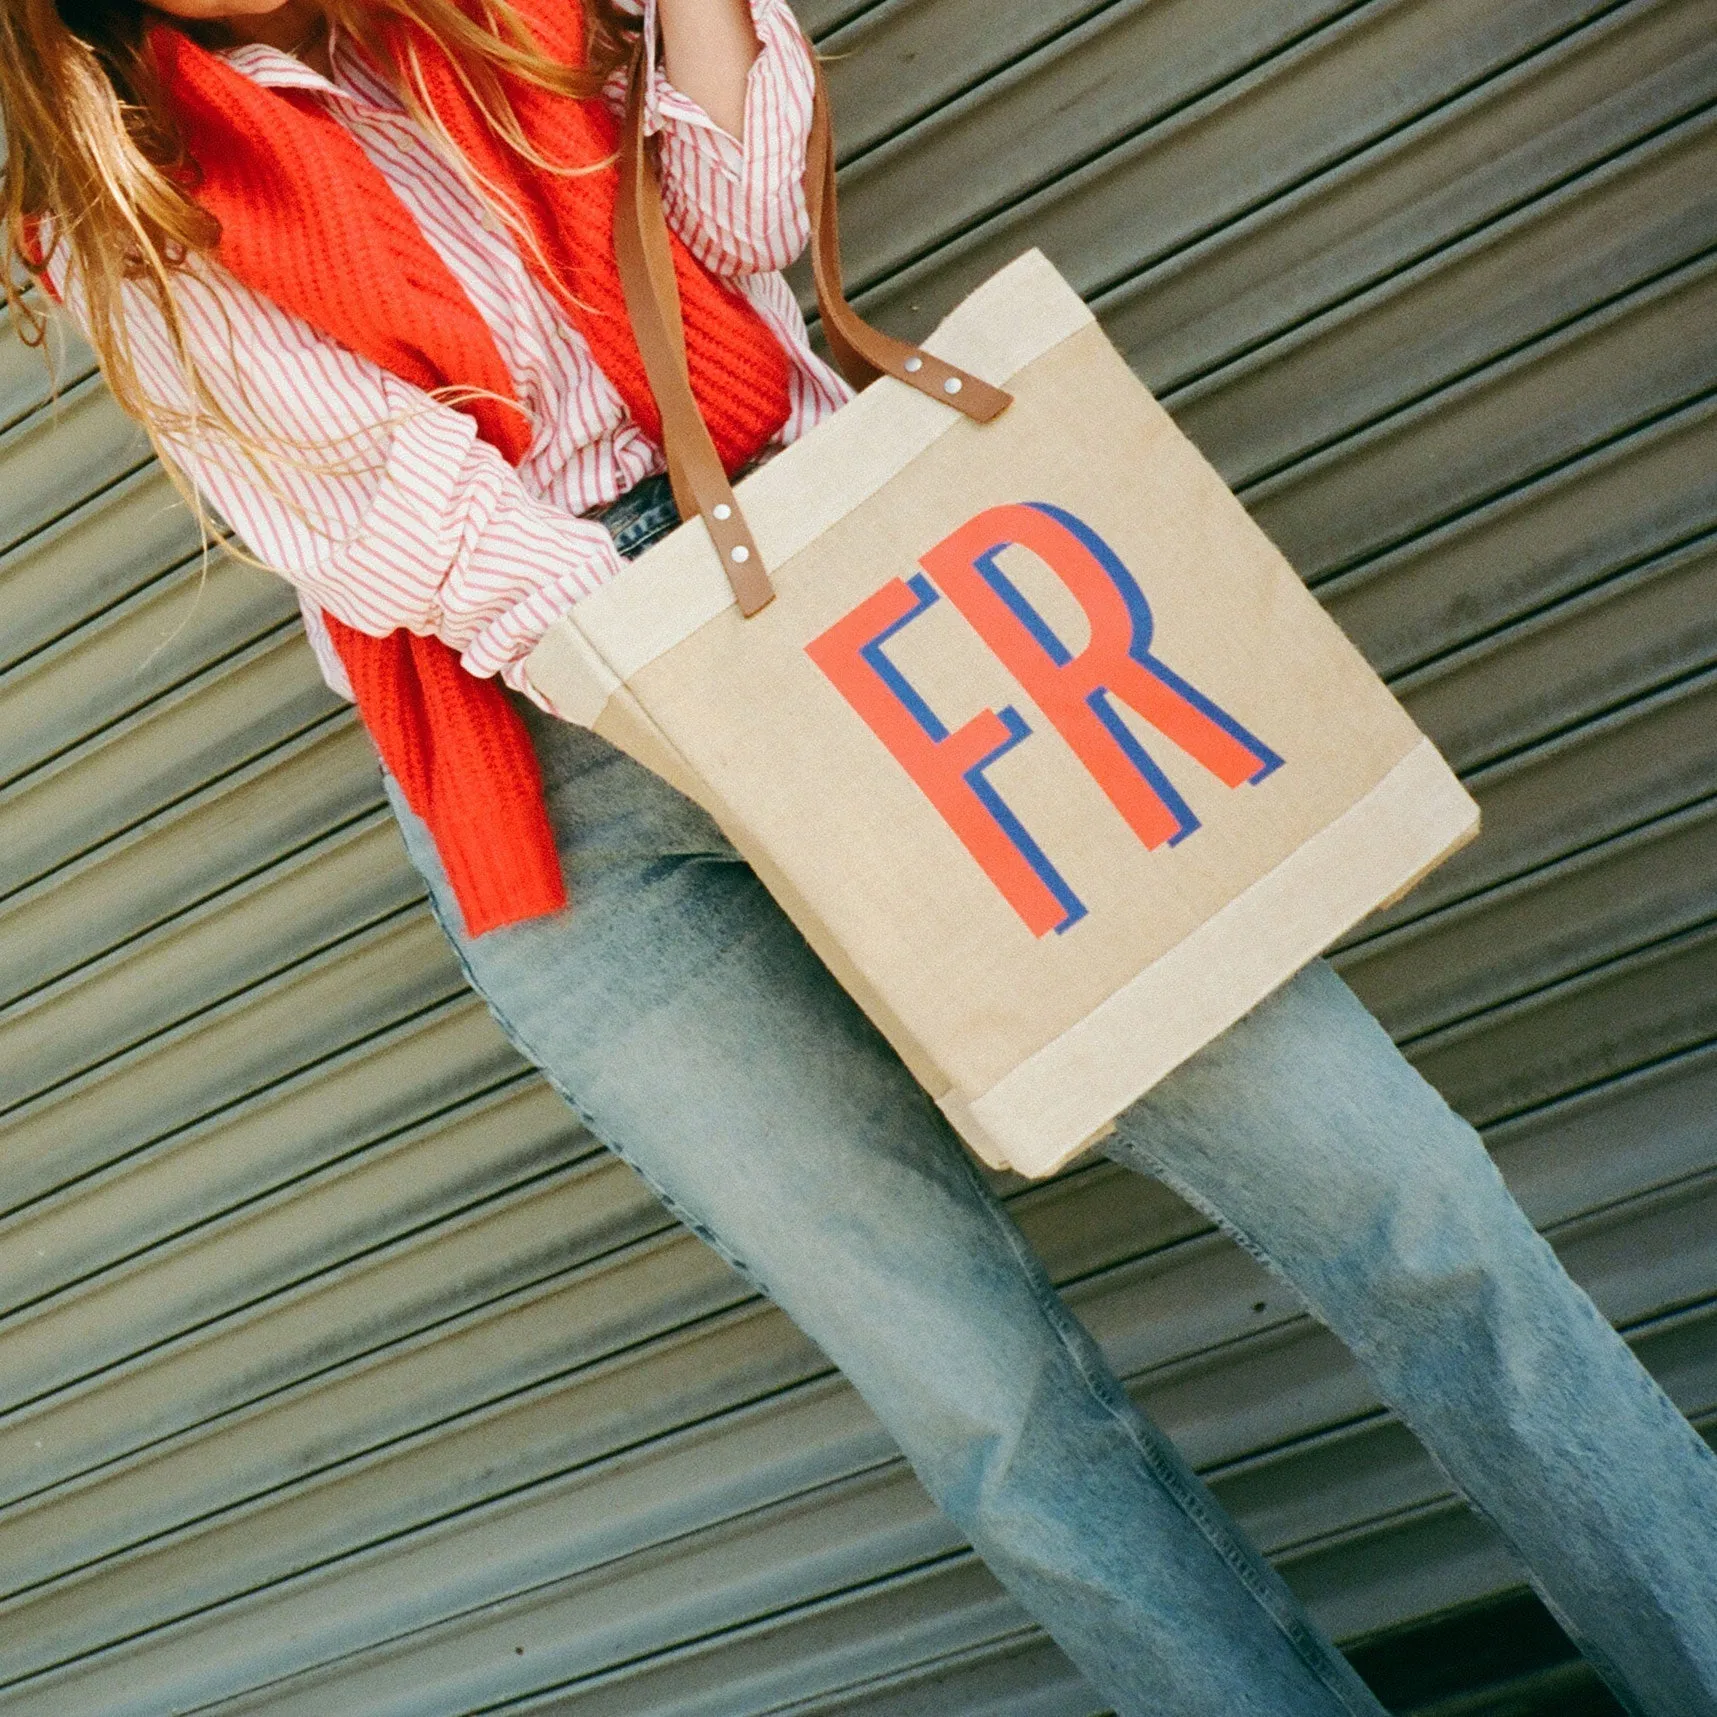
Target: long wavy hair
x,y
92,150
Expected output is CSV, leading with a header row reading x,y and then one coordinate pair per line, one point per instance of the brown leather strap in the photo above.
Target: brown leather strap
x,y
653,302
652,296
863,352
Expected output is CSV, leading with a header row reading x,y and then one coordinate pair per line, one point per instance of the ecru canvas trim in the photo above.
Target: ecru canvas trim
x,y
1073,1086
569,673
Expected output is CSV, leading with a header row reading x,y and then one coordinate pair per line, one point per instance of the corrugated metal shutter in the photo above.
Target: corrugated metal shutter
x,y
343,1374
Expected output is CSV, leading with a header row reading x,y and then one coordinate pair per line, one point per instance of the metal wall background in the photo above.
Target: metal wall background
x,y
341,1374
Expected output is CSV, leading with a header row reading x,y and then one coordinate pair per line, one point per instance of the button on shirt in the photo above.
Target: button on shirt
x,y
380,503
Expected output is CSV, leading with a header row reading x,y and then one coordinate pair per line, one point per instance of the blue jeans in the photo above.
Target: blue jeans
x,y
684,1018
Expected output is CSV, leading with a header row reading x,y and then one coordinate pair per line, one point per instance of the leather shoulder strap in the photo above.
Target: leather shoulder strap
x,y
652,301
652,297
861,351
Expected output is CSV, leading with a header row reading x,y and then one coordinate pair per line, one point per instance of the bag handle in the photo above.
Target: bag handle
x,y
652,296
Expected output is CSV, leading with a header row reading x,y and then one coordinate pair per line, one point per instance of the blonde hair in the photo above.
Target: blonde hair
x,y
92,150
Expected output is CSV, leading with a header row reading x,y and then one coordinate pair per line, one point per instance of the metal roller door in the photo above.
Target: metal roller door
x,y
341,1375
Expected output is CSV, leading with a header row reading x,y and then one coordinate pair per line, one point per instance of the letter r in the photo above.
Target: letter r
x,y
1078,693
948,768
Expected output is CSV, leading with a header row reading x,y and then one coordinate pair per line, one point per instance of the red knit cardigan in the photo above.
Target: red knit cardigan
x,y
308,221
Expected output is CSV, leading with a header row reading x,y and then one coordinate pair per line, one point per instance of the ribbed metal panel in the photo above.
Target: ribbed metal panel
x,y
343,1373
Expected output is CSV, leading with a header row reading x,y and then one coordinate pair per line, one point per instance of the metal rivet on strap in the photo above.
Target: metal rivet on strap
x,y
952,385
722,510
913,365
739,552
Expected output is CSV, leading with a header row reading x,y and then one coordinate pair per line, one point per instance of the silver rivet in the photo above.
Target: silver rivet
x,y
722,510
913,365
952,385
739,552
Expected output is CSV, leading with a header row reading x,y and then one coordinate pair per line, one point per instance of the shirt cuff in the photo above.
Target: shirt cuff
x,y
549,559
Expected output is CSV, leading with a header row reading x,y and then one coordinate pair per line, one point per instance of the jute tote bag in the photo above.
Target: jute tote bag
x,y
1038,739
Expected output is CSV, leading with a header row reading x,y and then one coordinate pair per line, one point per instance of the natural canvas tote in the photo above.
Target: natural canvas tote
x,y
1032,731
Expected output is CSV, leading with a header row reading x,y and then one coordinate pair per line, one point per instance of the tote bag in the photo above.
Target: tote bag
x,y
1031,730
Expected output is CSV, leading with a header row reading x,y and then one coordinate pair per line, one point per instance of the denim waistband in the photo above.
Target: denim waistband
x,y
636,519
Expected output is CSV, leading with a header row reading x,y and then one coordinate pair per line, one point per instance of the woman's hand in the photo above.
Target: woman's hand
x,y
708,47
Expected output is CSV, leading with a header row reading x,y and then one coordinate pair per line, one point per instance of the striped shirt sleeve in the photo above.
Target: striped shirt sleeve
x,y
379,503
738,203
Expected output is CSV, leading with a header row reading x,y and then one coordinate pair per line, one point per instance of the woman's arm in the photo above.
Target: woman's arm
x,y
732,187
389,512
708,49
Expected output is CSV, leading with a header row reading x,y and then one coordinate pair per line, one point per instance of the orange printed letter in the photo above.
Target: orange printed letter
x,y
1077,692
947,767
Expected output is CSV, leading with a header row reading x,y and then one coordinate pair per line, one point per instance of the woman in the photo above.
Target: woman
x,y
350,260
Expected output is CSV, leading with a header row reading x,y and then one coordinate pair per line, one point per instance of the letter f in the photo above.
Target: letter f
x,y
948,768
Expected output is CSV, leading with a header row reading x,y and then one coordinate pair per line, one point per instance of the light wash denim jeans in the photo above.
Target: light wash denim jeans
x,y
684,1018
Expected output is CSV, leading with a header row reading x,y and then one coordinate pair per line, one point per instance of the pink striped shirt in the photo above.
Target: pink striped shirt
x,y
412,520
